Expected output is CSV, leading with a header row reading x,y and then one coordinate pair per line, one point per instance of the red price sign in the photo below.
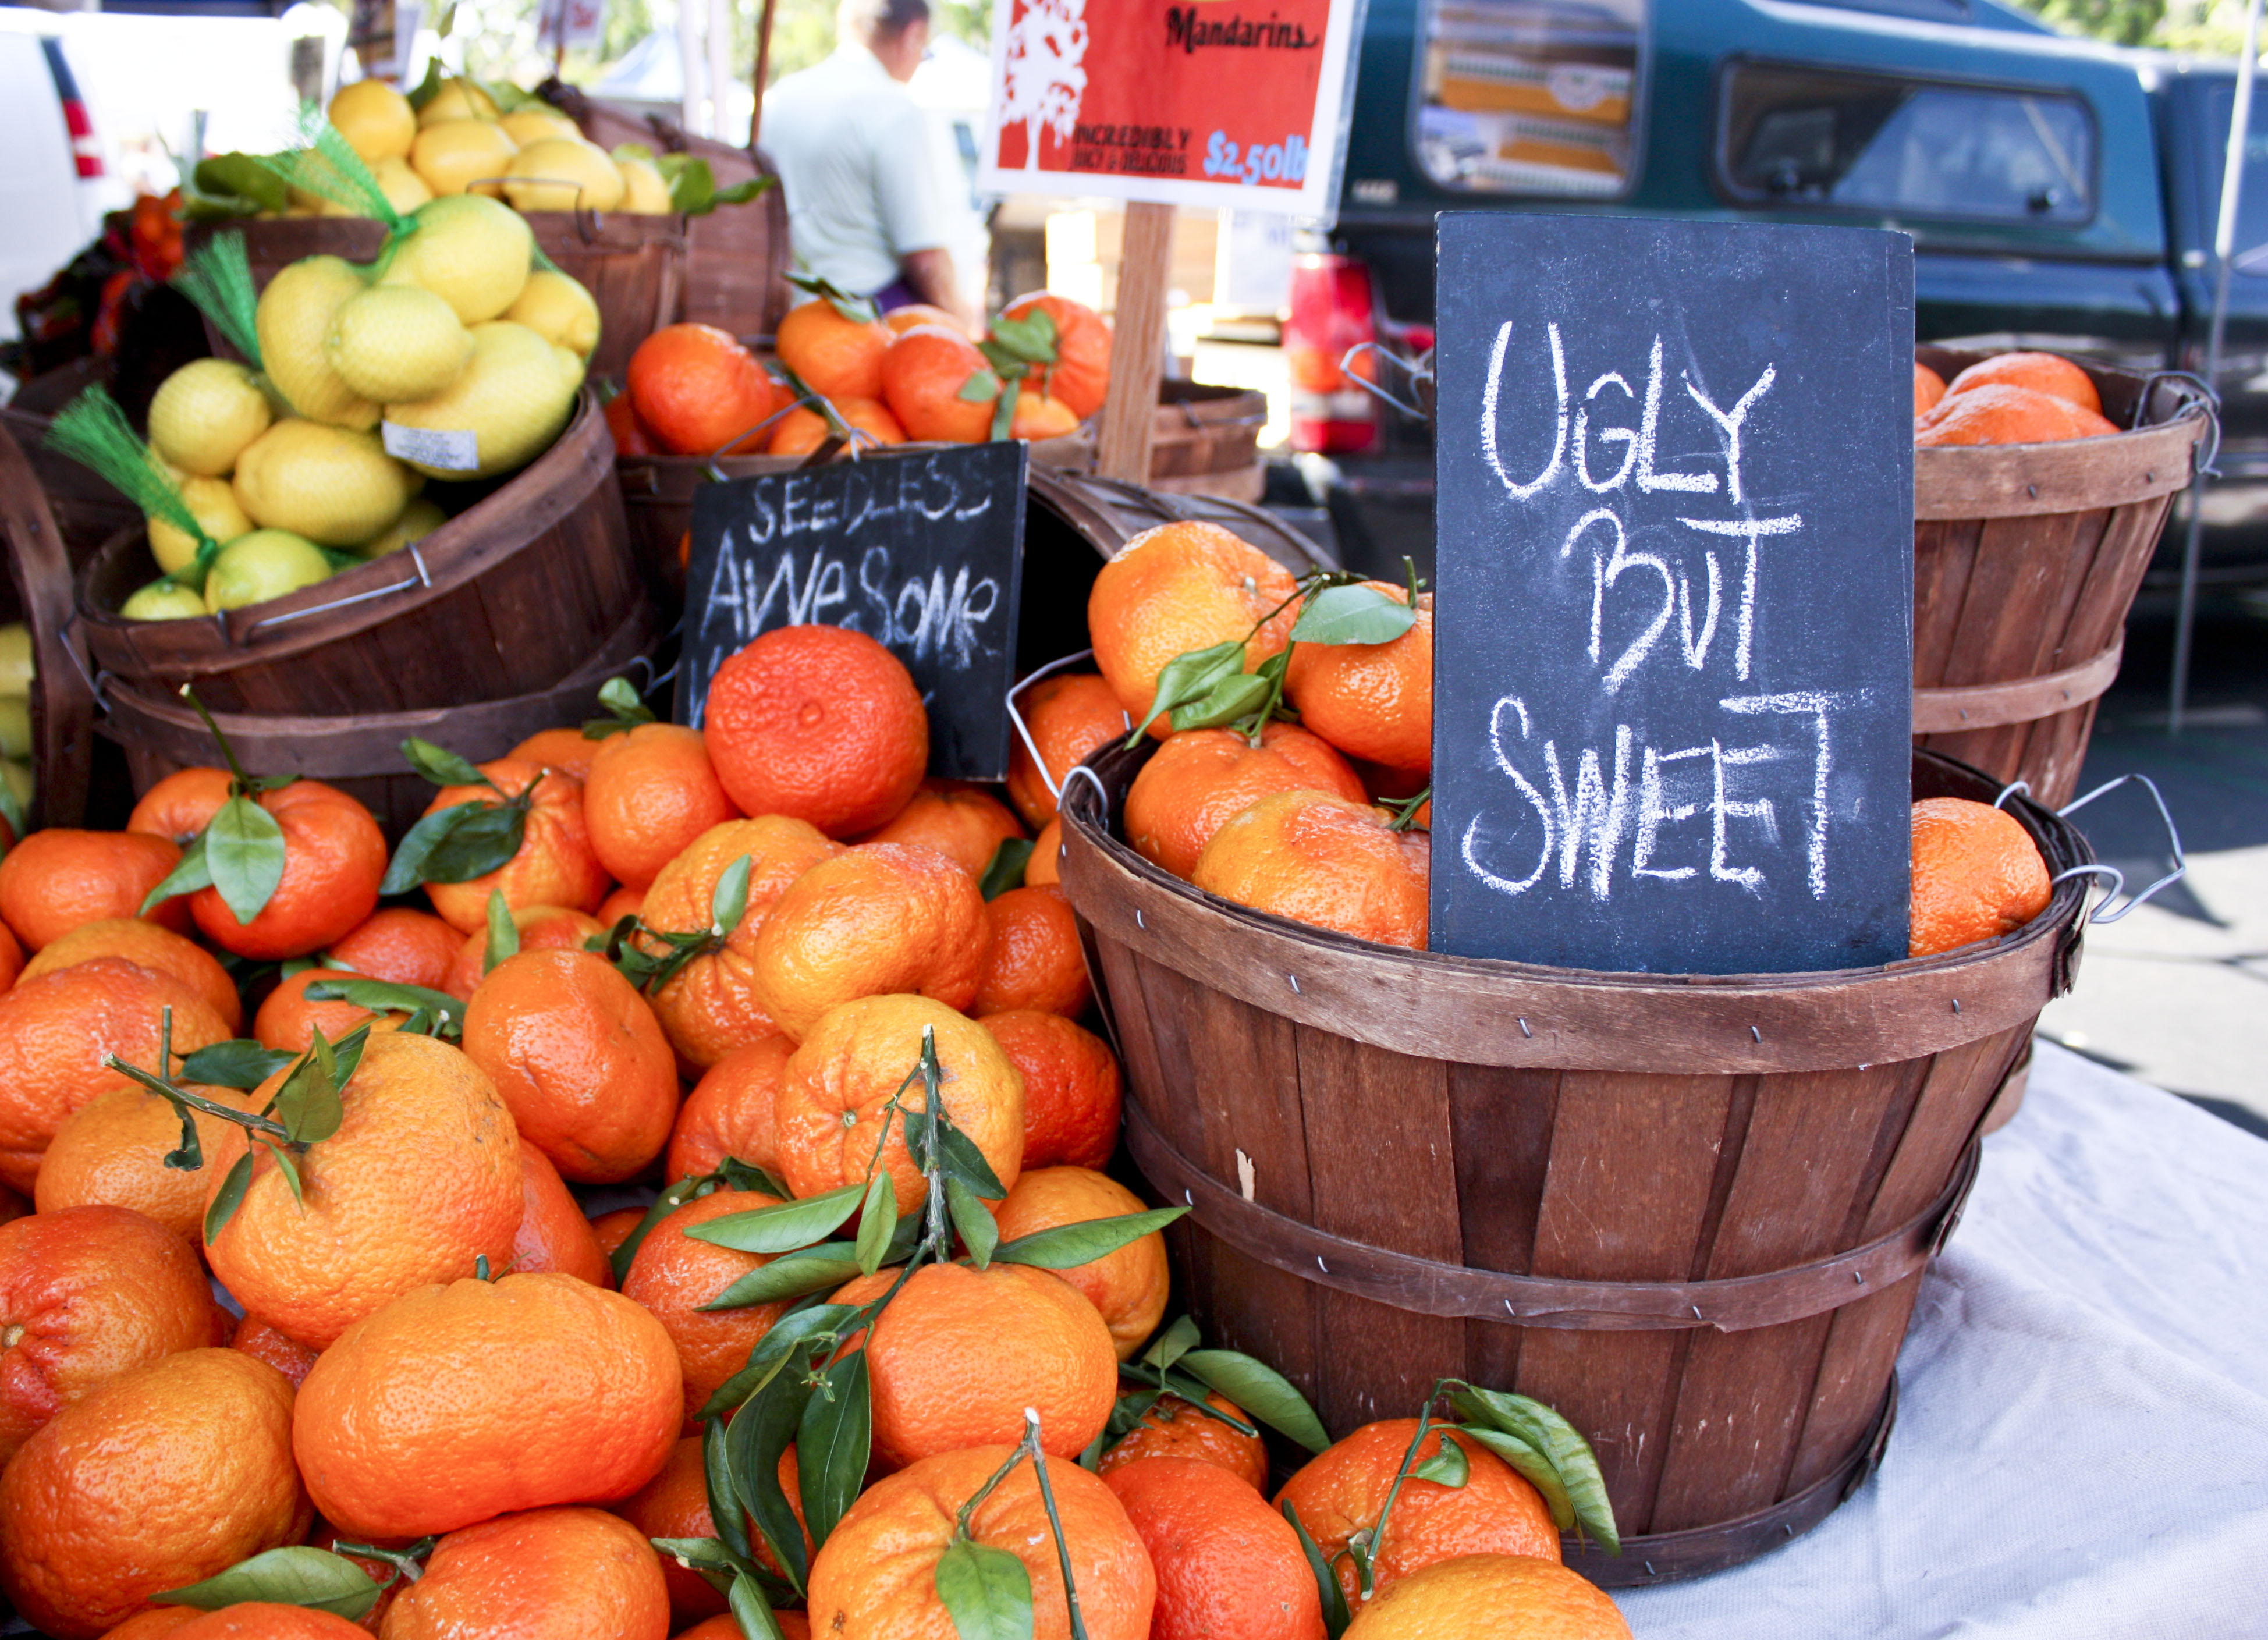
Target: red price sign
x,y
1182,102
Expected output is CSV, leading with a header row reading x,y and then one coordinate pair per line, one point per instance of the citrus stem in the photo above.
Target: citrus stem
x,y
1054,1520
242,782
976,1498
1405,814
1365,1564
167,1089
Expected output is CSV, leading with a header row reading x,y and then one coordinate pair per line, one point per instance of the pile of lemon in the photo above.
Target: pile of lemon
x,y
452,358
15,674
459,142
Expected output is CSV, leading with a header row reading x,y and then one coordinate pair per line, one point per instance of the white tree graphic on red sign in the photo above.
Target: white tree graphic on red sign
x,y
1043,79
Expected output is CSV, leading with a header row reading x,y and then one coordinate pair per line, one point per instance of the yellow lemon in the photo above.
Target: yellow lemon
x,y
470,252
213,502
420,519
376,120
644,194
513,398
564,173
16,668
265,565
326,484
162,600
295,316
404,189
558,309
455,156
204,413
456,100
533,125
397,341
15,726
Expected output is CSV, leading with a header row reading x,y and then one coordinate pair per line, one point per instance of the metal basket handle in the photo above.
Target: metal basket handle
x,y
1024,732
1414,369
2116,879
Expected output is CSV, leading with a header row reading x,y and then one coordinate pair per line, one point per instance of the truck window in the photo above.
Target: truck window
x,y
1529,96
1793,136
2251,256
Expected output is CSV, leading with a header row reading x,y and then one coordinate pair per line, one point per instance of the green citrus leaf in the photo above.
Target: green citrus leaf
x,y
1327,1584
980,1232
407,868
290,1171
190,874
784,1228
725,1510
229,1197
1574,1468
985,1591
441,766
1189,676
1353,614
300,1575
1261,1390
878,1221
750,1609
239,1063
1005,868
702,1554
1172,1344
834,1444
981,388
729,902
619,696
504,933
1003,411
1067,1247
668,1203
484,841
754,1441
1232,698
1448,1467
790,1277
818,1322
740,1176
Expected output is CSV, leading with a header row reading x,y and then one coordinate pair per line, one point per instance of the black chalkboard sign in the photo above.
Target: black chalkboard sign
x,y
922,551
1674,599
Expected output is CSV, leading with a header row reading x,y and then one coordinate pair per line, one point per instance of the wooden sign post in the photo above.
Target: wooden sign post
x,y
1674,579
1181,104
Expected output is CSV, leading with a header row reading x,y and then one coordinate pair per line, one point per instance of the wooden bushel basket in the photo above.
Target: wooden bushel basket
x,y
1206,442
2027,558
362,756
509,596
1691,1214
37,592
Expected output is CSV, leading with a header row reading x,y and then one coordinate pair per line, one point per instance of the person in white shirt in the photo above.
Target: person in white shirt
x,y
851,147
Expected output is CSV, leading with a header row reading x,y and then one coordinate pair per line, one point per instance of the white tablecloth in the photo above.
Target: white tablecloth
x,y
2081,1447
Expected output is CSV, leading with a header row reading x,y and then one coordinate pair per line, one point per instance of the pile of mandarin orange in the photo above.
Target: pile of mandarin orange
x,y
2009,399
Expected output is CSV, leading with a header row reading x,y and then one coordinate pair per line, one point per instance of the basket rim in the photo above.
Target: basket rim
x,y
453,554
1502,1012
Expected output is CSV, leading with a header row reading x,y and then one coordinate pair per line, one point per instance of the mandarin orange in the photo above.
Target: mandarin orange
x,y
541,927
1175,1429
401,945
555,865
547,1574
56,1032
964,824
579,1056
960,1353
675,1505
923,375
267,1619
553,1237
58,879
2042,372
1046,864
674,1276
818,722
697,390
2000,413
161,1477
1320,860
709,1007
406,1427
1069,716
875,1577
85,1294
1490,1594
1976,875
289,1017
1036,959
422,1179
570,750
882,917
263,1342
732,1111
1341,1490
649,794
1226,1563
111,1151
1184,586
1371,701
158,949
621,903
1128,1288
1201,778
836,355
333,857
804,430
179,807
836,1089
1073,1091
1081,376
1929,388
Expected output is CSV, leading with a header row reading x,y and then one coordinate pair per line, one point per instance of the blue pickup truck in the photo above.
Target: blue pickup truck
x,y
2060,194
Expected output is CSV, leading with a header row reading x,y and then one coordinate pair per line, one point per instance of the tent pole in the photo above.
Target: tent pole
x,y
763,69
2224,248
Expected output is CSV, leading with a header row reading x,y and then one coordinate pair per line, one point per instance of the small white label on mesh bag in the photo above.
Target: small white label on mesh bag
x,y
453,450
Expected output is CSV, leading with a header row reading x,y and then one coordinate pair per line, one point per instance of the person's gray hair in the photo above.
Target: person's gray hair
x,y
867,21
